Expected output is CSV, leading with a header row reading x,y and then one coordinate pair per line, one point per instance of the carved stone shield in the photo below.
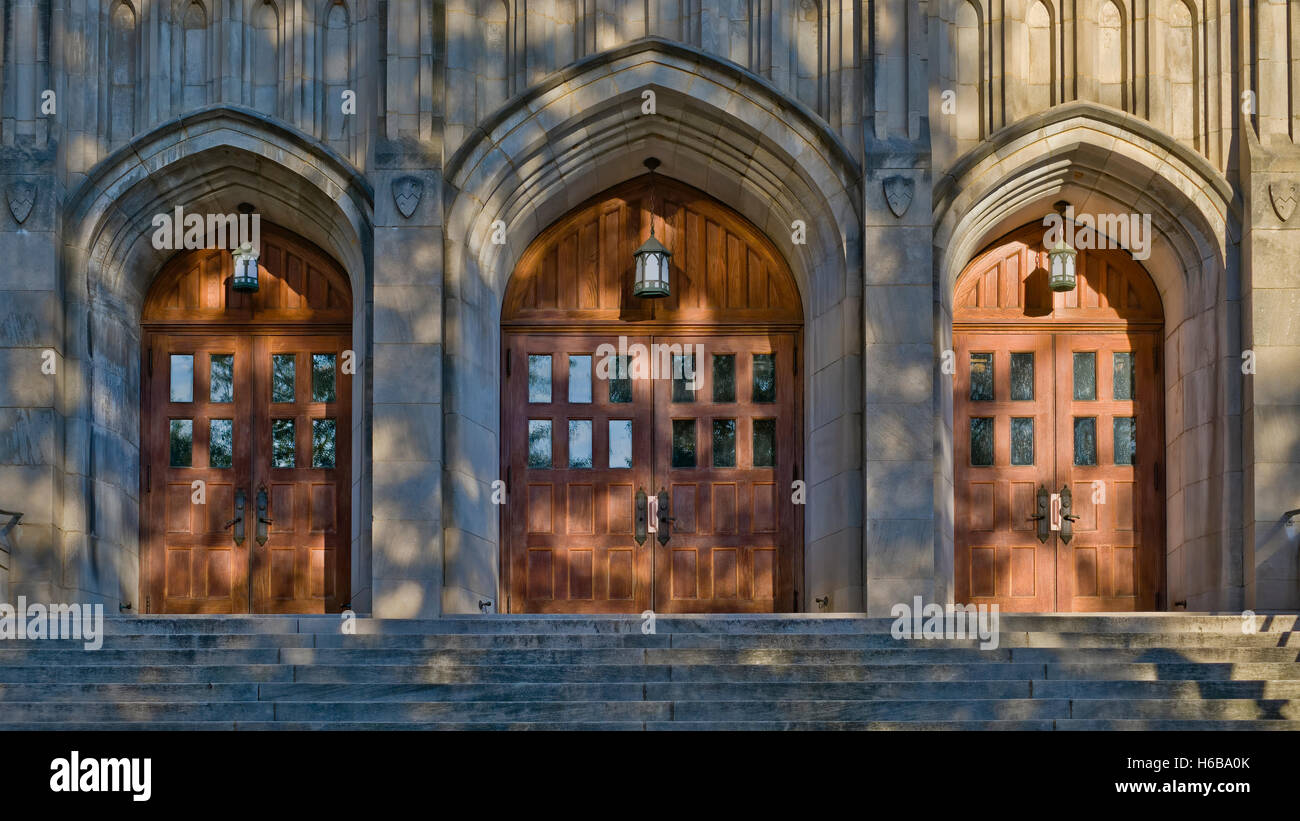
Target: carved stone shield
x,y
1284,198
21,196
407,192
898,193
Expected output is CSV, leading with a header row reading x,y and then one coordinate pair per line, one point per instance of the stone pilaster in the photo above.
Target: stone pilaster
x,y
1271,396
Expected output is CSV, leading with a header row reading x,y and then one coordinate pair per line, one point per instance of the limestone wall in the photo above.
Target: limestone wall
x,y
985,111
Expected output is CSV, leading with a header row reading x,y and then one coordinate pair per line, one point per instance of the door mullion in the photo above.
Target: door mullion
x,y
1056,465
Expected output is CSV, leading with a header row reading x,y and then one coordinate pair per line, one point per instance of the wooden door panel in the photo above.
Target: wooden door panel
x,y
302,307
998,558
569,527
192,564
734,542
1113,560
302,459
569,531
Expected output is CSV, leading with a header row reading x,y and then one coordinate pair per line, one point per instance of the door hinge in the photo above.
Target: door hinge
x,y
149,362
507,364
796,359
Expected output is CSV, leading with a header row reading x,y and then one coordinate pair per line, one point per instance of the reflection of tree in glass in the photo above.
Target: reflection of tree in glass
x,y
683,443
539,443
580,446
222,383
764,377
1022,376
282,366
220,443
322,443
764,443
1123,379
282,444
724,377
539,378
724,443
683,377
1085,441
620,443
182,443
322,377
620,383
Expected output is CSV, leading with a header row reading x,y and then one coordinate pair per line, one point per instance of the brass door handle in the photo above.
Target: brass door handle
x,y
1067,504
1043,503
665,526
262,503
241,500
640,512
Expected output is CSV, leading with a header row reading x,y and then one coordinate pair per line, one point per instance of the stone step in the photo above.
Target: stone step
x,y
1106,725
1163,689
722,673
208,693
695,624
885,710
87,711
893,710
1175,708
143,674
677,640
956,692
977,672
287,691
322,726
1049,672
649,691
923,653
1154,725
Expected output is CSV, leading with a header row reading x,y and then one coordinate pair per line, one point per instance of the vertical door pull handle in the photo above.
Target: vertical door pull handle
x,y
1043,501
262,521
640,508
241,501
665,526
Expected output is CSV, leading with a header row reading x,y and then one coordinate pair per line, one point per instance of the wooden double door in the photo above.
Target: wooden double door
x,y
245,461
1049,411
591,419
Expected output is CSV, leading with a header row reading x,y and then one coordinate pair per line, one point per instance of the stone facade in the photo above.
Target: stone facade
x,y
506,112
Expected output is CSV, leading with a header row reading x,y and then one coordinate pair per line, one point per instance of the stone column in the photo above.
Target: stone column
x,y
31,372
406,528
899,326
1271,396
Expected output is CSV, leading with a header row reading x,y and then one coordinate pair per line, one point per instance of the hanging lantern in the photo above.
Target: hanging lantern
x,y
245,278
1061,258
651,269
651,280
1060,265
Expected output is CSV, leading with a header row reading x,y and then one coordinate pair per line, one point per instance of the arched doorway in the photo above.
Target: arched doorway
x,y
1057,391
245,434
606,394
